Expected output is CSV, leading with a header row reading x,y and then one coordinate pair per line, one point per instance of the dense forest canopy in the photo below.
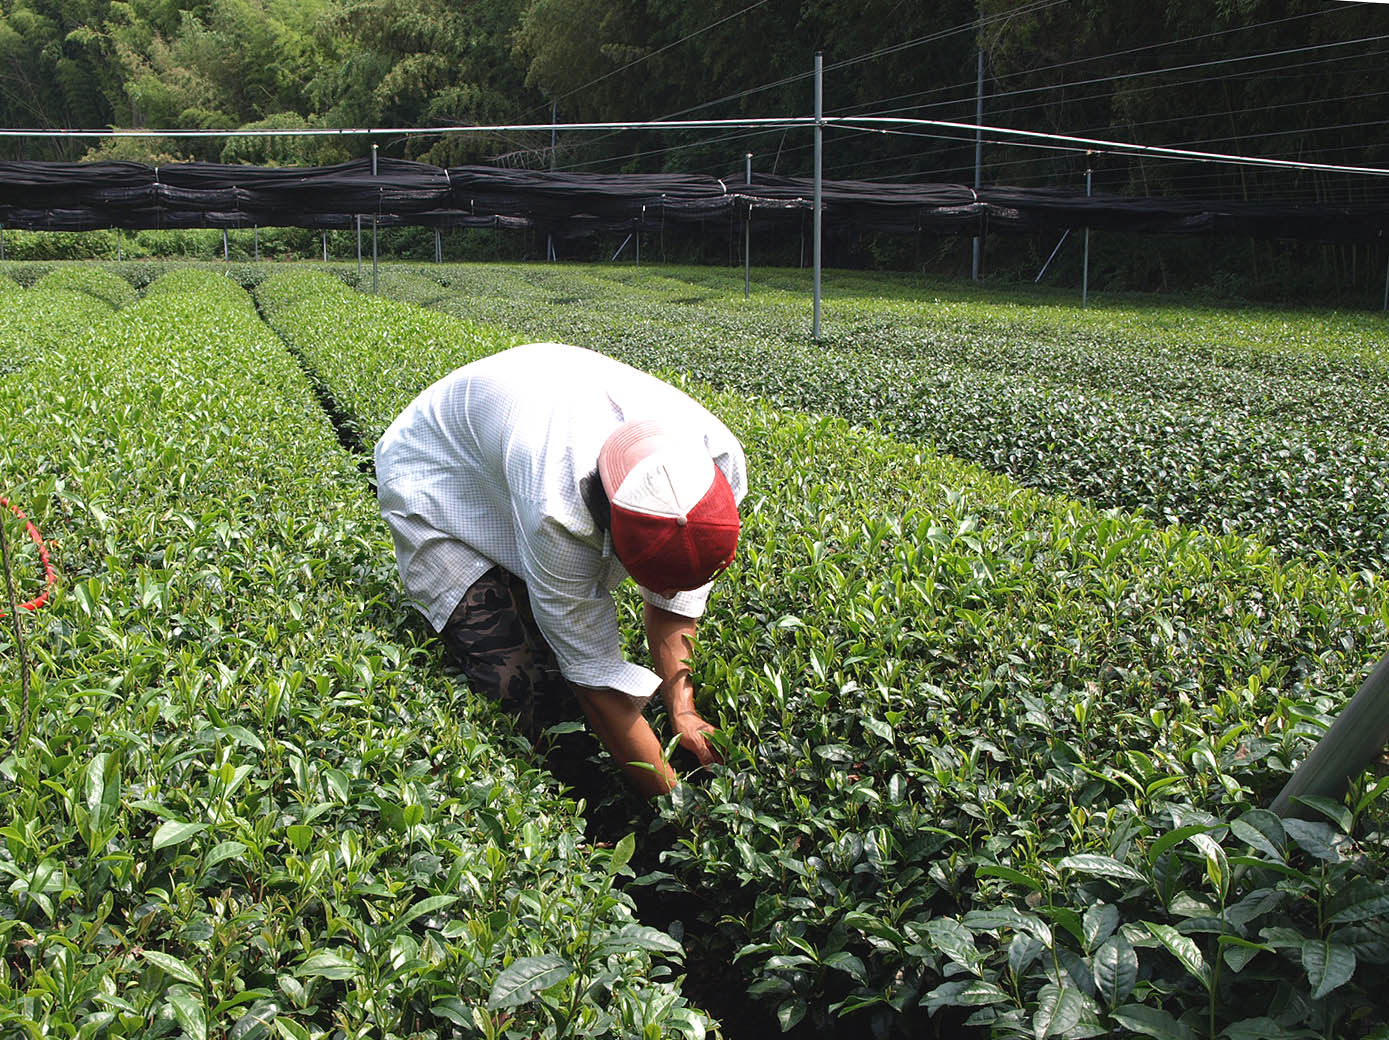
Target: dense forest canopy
x,y
1297,79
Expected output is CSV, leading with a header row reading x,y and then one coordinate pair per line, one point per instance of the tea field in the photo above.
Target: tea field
x,y
1266,422
997,756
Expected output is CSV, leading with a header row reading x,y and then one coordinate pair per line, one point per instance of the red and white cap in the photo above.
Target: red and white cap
x,y
674,518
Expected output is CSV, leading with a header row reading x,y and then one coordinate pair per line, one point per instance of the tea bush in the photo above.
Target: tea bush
x,y
33,321
240,798
100,282
992,756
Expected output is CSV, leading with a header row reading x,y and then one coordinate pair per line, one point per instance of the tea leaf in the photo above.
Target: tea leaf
x,y
327,965
622,853
790,1013
1329,965
1360,900
1115,970
640,937
524,978
1058,1009
979,993
1261,830
174,832
1151,1021
189,1011
1317,839
1184,949
1099,923
172,965
1335,811
1238,952
1101,866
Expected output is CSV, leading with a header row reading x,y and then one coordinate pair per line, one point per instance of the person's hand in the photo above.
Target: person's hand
x,y
692,731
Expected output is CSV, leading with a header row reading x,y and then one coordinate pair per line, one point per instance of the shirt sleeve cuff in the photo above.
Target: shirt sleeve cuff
x,y
686,604
632,679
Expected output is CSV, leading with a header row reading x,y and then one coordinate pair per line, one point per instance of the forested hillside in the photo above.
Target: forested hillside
x,y
1305,79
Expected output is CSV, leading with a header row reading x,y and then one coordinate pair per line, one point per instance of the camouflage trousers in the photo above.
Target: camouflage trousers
x,y
492,637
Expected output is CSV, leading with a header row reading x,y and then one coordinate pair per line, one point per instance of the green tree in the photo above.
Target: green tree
x,y
657,58
423,63
50,74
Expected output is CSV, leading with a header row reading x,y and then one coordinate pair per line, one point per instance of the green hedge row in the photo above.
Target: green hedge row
x,y
244,799
58,307
998,762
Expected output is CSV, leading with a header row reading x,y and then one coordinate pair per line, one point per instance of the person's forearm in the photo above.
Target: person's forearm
x,y
669,638
618,722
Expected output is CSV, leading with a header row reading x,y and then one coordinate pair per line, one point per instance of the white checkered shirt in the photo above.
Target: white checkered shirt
x,y
484,469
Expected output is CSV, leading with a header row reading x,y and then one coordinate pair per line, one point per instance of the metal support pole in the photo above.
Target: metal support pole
x,y
256,240
1059,243
550,239
375,280
120,241
819,156
359,249
1384,308
747,234
1085,269
978,152
620,249
1348,748
325,246
640,221
2,244
226,249
438,248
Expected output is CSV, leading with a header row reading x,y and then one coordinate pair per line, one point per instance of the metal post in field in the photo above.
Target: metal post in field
x,y
747,234
621,248
819,156
1064,235
359,250
375,281
226,249
438,247
325,245
550,238
978,152
255,240
1352,744
1085,269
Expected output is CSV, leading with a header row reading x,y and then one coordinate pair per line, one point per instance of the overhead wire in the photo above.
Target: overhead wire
x,y
646,57
935,36
877,103
1041,4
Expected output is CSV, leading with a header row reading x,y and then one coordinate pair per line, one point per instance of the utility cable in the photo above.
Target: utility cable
x,y
1091,81
1090,60
660,50
940,34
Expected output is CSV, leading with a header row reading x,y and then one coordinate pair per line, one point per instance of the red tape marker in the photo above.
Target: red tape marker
x,y
50,576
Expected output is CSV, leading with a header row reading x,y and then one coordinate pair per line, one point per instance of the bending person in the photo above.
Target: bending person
x,y
523,488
